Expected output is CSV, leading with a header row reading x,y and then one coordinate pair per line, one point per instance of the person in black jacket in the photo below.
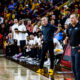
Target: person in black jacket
x,y
73,35
48,32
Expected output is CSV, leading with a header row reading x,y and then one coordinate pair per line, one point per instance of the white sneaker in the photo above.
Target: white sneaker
x,y
22,58
30,59
15,56
47,62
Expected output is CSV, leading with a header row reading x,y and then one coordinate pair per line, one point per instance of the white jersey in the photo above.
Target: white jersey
x,y
35,28
37,40
67,21
21,36
26,34
28,47
15,35
32,42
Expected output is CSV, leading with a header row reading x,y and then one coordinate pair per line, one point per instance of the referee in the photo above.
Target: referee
x,y
48,31
73,34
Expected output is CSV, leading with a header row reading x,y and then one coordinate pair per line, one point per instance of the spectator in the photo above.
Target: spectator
x,y
15,27
13,15
59,36
1,20
3,30
65,28
9,45
12,5
52,22
37,26
21,31
7,15
56,12
53,17
34,5
27,9
29,26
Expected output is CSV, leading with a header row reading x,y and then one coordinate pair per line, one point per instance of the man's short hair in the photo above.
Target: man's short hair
x,y
45,18
76,15
19,19
15,19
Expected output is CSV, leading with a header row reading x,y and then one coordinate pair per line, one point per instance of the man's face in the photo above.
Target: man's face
x,y
31,37
20,22
53,22
3,26
53,17
65,26
10,36
44,21
29,23
15,21
73,19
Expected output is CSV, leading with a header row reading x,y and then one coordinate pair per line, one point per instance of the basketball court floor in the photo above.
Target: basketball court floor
x,y
10,70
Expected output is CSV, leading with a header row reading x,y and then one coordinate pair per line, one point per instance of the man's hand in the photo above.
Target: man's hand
x,y
59,29
16,31
65,41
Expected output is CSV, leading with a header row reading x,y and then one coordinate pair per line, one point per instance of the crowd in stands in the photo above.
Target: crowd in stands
x,y
25,8
23,37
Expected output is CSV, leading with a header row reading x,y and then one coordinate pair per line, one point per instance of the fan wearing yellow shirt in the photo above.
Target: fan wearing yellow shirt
x,y
34,5
7,15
